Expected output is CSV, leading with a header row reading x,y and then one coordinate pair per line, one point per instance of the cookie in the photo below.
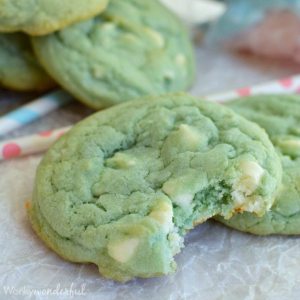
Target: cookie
x,y
121,189
280,116
42,17
19,69
134,48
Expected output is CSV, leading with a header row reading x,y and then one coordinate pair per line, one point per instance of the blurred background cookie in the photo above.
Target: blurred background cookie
x,y
134,48
19,69
44,16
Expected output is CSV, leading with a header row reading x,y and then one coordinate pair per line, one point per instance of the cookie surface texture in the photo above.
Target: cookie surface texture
x,y
40,17
125,185
19,69
280,117
135,48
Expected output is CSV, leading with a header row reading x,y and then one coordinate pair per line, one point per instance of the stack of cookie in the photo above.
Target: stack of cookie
x,y
124,186
102,52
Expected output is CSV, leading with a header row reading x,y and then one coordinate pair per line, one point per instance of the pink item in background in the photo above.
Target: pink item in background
x,y
276,36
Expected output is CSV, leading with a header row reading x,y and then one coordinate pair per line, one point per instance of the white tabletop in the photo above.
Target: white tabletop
x,y
217,263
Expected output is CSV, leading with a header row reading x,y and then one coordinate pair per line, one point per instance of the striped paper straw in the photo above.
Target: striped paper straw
x,y
42,141
33,111
32,144
289,85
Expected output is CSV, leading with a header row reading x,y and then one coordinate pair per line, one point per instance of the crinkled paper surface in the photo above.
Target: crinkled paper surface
x,y
217,263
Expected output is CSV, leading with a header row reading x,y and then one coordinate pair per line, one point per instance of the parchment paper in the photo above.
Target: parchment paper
x,y
217,263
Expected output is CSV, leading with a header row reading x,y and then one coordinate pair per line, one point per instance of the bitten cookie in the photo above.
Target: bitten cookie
x,y
42,17
280,116
123,186
19,69
135,48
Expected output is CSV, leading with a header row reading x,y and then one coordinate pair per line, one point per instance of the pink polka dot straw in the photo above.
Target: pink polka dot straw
x,y
290,85
32,144
40,142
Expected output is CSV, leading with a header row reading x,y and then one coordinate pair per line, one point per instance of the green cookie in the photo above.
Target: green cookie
x,y
19,69
123,187
280,116
39,17
134,48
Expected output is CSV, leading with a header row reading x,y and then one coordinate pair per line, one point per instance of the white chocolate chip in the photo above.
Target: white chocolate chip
x,y
98,72
169,75
252,174
108,26
292,143
255,205
181,190
190,135
163,213
122,161
122,251
173,189
238,197
176,242
184,200
180,59
156,37
290,146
